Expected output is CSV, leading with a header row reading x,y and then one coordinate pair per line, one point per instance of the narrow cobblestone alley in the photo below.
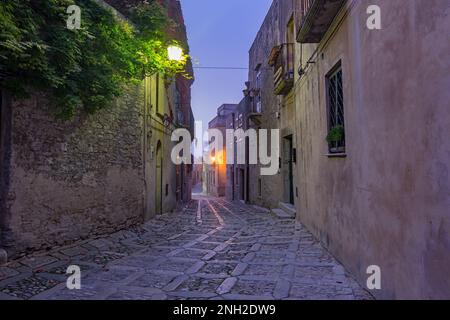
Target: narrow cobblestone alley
x,y
213,249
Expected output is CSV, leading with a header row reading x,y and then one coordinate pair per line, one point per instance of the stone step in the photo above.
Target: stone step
x,y
288,208
261,209
282,214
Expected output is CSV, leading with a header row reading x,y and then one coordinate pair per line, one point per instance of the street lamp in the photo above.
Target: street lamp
x,y
175,53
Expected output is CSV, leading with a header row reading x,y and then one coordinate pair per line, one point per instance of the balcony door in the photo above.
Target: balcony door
x,y
241,184
290,40
288,174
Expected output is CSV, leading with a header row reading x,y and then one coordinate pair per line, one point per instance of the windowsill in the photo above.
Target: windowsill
x,y
337,155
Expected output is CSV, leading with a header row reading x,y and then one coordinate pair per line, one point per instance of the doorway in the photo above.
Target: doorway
x,y
241,184
182,198
159,180
232,182
288,174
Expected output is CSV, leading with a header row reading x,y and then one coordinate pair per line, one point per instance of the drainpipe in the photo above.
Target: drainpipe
x,y
247,159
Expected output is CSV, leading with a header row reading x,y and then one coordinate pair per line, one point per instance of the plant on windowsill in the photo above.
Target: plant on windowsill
x,y
335,138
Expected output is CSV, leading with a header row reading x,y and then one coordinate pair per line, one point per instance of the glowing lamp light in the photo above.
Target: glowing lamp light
x,y
175,53
213,159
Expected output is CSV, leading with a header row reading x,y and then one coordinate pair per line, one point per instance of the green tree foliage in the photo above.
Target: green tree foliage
x,y
84,68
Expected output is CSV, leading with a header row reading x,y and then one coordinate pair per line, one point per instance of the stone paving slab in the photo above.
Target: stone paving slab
x,y
6,273
38,261
214,249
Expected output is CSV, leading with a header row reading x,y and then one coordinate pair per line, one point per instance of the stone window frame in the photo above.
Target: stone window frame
x,y
258,86
335,106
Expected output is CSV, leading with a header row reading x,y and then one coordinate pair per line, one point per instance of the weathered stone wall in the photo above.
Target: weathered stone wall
x,y
5,158
160,171
237,174
74,179
272,33
66,180
217,185
387,203
287,14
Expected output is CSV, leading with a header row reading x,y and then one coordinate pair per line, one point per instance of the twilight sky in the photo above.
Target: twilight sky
x,y
220,35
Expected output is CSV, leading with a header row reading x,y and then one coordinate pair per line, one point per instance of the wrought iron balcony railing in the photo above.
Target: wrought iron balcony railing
x,y
306,4
317,18
282,61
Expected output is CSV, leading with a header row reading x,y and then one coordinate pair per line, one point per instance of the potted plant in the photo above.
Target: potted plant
x,y
335,139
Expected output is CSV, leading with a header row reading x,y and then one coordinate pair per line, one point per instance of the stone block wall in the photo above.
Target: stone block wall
x,y
387,202
69,180
271,34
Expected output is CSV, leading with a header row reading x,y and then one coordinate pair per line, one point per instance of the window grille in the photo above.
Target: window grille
x,y
336,123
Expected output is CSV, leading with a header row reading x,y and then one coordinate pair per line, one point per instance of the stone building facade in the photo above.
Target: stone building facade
x,y
238,174
181,110
272,102
62,181
351,103
379,194
67,180
215,179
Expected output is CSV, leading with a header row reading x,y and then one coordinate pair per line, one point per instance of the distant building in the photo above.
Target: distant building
x,y
197,174
271,102
216,172
238,174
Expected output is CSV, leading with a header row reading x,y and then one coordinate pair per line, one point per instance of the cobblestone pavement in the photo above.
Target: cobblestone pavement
x,y
213,249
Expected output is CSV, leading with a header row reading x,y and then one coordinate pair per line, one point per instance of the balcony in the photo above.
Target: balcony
x,y
253,102
282,61
317,18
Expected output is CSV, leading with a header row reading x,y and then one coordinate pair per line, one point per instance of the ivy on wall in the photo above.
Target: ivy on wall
x,y
82,69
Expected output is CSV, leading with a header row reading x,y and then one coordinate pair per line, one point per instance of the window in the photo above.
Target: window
x,y
335,100
290,40
180,117
178,107
258,79
258,84
258,105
